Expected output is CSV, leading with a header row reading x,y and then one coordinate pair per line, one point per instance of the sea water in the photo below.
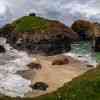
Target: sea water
x,y
12,84
84,52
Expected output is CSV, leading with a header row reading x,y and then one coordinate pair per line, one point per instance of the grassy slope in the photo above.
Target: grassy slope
x,y
28,23
85,87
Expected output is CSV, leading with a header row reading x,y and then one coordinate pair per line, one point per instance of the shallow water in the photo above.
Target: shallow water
x,y
83,51
12,84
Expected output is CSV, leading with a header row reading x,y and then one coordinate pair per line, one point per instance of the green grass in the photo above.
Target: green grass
x,y
29,23
85,87
98,56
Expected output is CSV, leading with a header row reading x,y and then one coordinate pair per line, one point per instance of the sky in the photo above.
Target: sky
x,y
65,11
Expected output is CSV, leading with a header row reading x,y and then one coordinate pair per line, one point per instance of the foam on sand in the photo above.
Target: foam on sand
x,y
12,84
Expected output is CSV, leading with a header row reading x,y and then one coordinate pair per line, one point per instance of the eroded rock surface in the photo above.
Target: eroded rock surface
x,y
38,35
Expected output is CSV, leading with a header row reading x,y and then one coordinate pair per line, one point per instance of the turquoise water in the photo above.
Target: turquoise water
x,y
83,50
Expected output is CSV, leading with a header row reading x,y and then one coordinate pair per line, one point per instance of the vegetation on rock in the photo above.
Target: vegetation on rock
x,y
36,34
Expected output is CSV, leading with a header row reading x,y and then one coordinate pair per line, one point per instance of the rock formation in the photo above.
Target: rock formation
x,y
85,29
88,31
38,35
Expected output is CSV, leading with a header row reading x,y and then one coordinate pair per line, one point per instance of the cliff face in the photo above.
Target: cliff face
x,y
36,34
88,31
85,29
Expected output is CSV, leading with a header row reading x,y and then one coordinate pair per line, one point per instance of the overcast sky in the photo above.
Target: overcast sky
x,y
64,10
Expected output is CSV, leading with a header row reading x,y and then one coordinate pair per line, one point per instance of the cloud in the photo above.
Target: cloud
x,y
64,10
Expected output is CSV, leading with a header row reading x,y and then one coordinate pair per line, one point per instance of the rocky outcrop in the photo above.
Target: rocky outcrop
x,y
85,29
38,35
2,49
88,31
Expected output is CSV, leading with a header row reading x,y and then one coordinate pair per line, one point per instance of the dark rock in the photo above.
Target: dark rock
x,y
90,66
34,66
32,14
39,86
85,29
2,49
55,39
97,44
79,56
60,61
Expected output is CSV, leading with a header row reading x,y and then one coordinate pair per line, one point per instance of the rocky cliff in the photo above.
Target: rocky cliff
x,y
84,28
35,34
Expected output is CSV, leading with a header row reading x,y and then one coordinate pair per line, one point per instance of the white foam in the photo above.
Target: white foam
x,y
86,58
14,85
12,61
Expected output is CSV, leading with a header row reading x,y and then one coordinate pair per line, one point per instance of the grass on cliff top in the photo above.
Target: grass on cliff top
x,y
29,23
85,87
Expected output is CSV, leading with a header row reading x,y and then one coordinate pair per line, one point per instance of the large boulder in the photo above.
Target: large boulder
x,y
39,86
33,65
39,35
62,61
85,29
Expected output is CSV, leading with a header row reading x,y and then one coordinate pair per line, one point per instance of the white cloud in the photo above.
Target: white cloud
x,y
2,8
64,10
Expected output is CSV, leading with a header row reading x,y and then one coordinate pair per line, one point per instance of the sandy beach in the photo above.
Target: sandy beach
x,y
55,75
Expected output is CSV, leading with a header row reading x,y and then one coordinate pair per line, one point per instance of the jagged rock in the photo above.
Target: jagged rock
x,y
60,61
34,66
2,49
39,86
85,29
